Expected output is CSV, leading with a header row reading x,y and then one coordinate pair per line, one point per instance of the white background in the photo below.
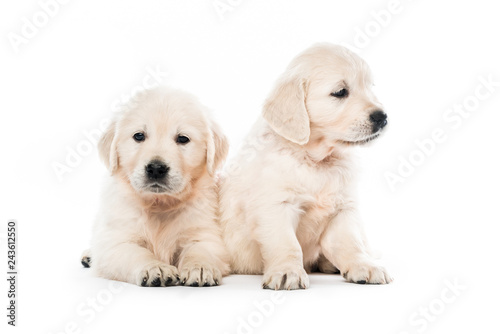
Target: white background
x,y
439,225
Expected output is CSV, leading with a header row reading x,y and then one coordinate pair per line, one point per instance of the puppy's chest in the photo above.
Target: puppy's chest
x,y
322,203
160,231
324,194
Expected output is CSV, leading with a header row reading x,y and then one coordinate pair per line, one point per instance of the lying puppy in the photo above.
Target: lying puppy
x,y
287,200
160,203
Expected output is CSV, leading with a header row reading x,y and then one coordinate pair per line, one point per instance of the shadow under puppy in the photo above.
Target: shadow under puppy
x,y
288,202
157,223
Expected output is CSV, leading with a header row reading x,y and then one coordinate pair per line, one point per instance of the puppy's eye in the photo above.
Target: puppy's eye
x,y
182,139
139,136
340,93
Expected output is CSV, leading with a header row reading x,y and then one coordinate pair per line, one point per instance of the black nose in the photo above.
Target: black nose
x,y
156,170
378,119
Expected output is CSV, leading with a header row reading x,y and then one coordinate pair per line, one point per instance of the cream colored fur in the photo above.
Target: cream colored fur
x,y
159,236
287,199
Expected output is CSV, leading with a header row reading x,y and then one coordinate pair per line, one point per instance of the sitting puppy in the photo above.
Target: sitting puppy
x,y
159,206
287,199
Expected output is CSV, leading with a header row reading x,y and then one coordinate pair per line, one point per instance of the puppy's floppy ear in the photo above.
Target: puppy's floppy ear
x,y
217,147
107,147
285,109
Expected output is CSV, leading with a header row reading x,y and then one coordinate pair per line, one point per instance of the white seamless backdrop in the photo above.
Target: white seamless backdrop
x,y
428,188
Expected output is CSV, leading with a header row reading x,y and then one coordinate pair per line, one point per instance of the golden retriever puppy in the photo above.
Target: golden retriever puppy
x,y
287,201
157,222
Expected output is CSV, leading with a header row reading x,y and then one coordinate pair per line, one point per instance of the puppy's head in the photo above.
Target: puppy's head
x,y
162,142
325,95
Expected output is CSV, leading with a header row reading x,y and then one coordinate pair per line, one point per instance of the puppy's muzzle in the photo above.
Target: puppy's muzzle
x,y
379,120
157,170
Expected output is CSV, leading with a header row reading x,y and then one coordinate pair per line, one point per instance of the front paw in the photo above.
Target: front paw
x,y
286,278
367,272
200,275
157,273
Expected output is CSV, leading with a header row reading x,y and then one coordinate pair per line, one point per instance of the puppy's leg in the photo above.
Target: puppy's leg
x,y
344,246
129,262
203,263
86,258
281,251
326,266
